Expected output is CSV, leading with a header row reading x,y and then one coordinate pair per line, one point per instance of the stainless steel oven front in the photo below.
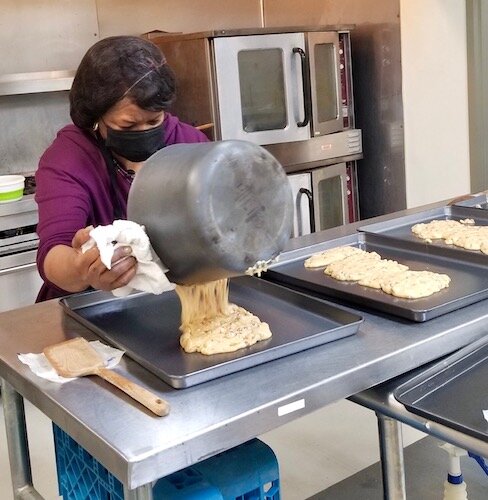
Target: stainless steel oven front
x,y
322,198
264,85
275,88
329,188
19,279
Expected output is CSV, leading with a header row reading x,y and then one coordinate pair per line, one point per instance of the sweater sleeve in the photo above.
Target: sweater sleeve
x,y
62,195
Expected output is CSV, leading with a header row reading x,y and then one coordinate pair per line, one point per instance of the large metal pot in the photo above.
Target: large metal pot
x,y
212,210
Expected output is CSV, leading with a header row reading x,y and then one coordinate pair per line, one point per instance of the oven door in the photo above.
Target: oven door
x,y
323,54
19,280
259,82
329,189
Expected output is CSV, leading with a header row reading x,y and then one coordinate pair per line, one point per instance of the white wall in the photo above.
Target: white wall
x,y
435,99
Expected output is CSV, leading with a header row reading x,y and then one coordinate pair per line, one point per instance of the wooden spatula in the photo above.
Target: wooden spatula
x,y
76,358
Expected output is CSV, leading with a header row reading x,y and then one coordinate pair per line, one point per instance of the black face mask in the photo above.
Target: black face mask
x,y
135,145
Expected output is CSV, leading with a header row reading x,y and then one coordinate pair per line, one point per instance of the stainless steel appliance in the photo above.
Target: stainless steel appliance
x,y
19,279
287,89
322,198
263,85
284,87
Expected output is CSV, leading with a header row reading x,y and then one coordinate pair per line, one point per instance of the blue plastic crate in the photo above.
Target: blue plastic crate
x,y
246,472
80,476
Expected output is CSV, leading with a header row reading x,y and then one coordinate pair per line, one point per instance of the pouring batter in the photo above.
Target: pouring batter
x,y
212,325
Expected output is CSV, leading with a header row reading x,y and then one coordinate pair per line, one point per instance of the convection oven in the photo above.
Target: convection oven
x,y
278,87
323,197
287,89
19,280
264,85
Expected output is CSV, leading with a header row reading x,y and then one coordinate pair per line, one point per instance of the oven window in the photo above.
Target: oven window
x,y
330,201
325,82
261,79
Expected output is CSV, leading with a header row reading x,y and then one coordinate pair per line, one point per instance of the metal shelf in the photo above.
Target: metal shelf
x,y
36,82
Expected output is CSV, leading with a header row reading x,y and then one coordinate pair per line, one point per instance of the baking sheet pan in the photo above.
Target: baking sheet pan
x,y
146,326
479,201
401,227
469,277
452,392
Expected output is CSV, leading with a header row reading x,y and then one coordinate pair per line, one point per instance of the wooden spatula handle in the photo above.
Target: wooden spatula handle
x,y
148,399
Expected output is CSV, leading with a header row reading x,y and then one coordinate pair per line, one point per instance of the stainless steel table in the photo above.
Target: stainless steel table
x,y
390,413
138,447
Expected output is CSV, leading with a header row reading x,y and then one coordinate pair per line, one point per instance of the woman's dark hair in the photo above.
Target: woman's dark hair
x,y
117,67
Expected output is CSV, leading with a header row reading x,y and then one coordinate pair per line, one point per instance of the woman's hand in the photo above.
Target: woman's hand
x,y
94,273
74,271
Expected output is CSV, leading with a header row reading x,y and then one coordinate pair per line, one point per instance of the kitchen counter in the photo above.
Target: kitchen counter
x,y
208,418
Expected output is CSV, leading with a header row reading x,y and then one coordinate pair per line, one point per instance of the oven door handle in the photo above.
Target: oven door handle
x,y
15,269
311,214
307,99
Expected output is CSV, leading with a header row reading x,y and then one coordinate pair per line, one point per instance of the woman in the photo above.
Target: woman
x,y
118,104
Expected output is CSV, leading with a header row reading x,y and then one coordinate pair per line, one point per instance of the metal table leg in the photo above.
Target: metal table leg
x,y
18,450
141,493
391,454
18,447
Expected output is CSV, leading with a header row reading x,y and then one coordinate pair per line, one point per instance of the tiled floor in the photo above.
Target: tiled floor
x,y
327,446
425,473
314,452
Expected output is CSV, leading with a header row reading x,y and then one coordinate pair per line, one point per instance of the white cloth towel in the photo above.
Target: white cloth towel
x,y
40,365
150,273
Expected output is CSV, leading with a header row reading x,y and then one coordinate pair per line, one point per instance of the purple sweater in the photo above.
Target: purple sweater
x,y
73,189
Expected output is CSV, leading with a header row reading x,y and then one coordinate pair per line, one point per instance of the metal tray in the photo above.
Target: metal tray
x,y
401,227
452,392
480,201
146,326
469,277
